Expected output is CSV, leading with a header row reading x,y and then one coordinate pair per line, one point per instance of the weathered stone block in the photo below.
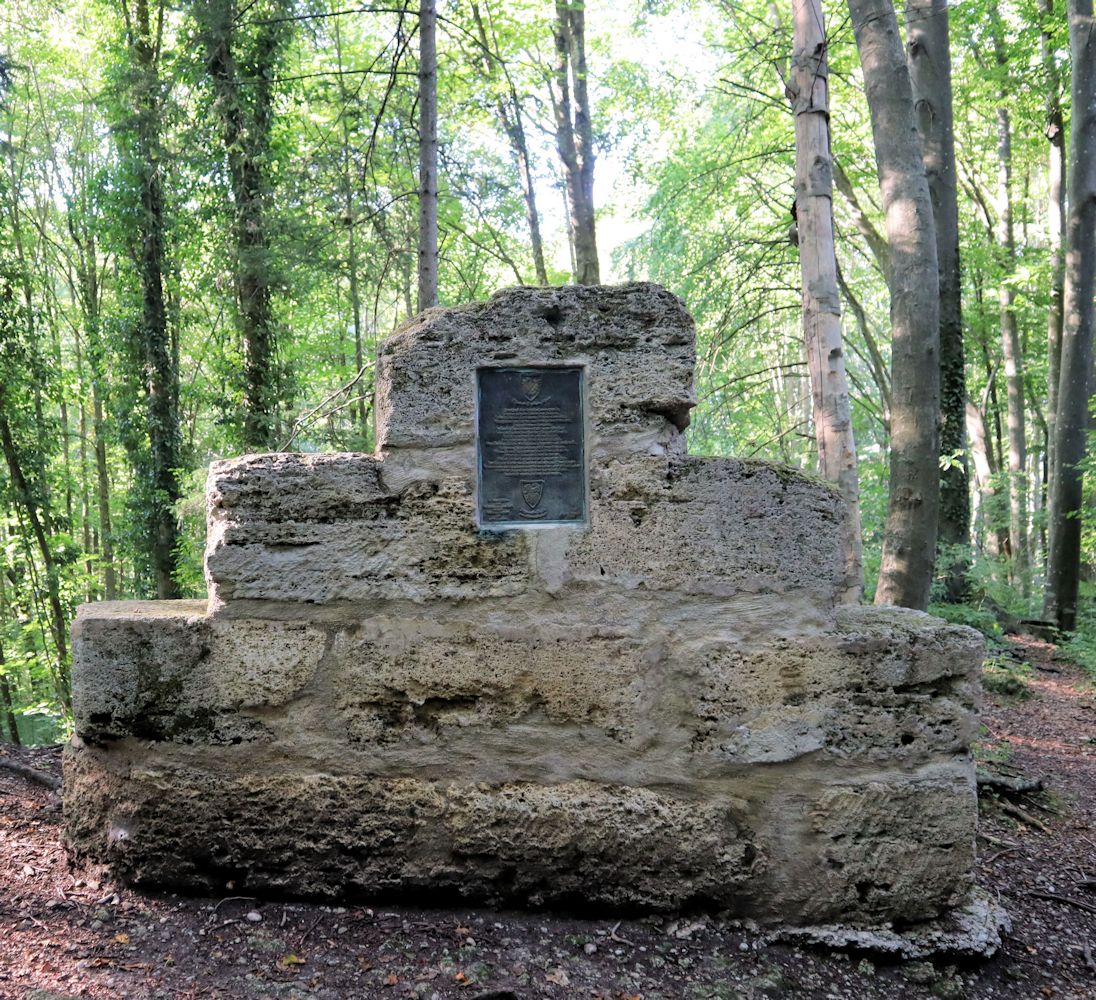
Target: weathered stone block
x,y
635,340
774,531
360,544
163,671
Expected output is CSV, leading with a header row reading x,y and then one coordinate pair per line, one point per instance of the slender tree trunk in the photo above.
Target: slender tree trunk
x,y
570,227
1056,215
7,705
36,461
929,57
1064,562
1011,349
246,122
30,505
876,242
7,702
509,114
981,450
53,324
574,136
351,222
909,544
87,275
511,122
818,263
428,156
160,373
102,480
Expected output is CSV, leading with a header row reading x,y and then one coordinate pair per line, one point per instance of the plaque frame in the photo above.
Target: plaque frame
x,y
579,523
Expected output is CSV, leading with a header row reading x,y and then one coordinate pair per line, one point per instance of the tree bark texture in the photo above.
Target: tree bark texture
x,y
818,264
574,136
909,543
1064,563
161,377
929,56
245,132
428,156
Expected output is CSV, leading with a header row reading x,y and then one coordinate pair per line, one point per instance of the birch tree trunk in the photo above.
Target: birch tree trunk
x,y
1064,562
428,155
929,57
909,542
574,136
818,263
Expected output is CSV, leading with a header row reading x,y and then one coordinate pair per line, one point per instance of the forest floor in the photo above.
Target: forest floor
x,y
72,932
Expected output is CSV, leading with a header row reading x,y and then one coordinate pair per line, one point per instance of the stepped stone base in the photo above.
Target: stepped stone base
x,y
664,707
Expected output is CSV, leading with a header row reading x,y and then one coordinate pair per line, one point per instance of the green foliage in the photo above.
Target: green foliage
x,y
965,614
695,182
1006,677
190,510
1080,647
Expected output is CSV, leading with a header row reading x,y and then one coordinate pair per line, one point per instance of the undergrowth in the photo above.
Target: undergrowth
x,y
1080,648
1005,676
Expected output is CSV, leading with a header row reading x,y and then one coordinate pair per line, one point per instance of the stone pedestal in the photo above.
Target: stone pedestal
x,y
661,706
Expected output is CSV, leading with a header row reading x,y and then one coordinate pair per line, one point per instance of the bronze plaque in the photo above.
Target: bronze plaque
x,y
530,447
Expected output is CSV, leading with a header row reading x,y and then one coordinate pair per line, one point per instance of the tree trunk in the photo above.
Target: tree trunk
x,y
929,57
1011,349
1056,220
88,295
1064,562
160,373
245,130
909,543
981,450
26,497
509,115
511,123
350,220
574,136
7,704
818,263
85,477
428,156
36,461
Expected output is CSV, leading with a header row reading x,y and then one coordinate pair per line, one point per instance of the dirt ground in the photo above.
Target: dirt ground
x,y
72,932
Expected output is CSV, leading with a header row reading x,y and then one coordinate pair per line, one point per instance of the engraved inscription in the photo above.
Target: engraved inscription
x,y
530,446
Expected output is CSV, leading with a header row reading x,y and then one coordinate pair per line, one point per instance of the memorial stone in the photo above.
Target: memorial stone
x,y
533,651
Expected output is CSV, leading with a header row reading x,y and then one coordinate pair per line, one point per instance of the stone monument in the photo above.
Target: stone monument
x,y
530,651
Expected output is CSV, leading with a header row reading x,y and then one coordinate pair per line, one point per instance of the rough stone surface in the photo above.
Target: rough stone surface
x,y
665,708
972,930
636,342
